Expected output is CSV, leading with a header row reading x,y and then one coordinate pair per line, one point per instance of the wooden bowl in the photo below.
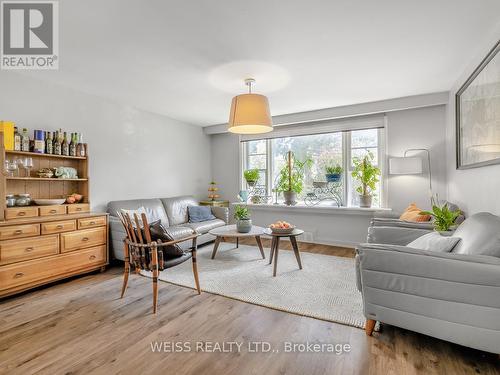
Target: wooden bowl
x,y
282,230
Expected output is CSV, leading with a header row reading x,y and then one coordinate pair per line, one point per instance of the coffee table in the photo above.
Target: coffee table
x,y
231,232
275,243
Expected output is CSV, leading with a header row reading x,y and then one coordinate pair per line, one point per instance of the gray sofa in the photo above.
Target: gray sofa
x,y
452,296
173,213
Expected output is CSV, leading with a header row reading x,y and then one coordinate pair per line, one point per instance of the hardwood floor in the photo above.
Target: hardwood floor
x,y
81,326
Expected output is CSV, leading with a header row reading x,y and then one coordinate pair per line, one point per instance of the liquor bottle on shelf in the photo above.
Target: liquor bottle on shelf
x,y
17,139
57,143
73,144
49,144
81,148
65,145
25,141
39,141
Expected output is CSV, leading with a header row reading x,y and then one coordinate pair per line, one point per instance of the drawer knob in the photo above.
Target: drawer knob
x,y
59,227
78,208
85,239
21,213
92,223
19,231
18,275
53,211
92,257
28,249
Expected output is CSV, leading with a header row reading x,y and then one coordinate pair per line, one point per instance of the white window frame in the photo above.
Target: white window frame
x,y
346,156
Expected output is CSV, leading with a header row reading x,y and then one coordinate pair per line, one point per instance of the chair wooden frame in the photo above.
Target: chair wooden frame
x,y
143,244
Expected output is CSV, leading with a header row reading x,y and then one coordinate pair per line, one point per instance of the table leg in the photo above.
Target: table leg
x,y
276,251
295,247
259,242
271,254
216,246
237,242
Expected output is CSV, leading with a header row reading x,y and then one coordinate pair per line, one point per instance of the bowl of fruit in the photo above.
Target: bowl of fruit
x,y
282,227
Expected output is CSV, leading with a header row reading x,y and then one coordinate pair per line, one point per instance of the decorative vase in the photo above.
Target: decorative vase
x,y
290,198
243,195
251,183
255,199
244,225
365,201
333,177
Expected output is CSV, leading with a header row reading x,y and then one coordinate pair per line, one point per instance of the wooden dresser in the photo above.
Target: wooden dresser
x,y
41,244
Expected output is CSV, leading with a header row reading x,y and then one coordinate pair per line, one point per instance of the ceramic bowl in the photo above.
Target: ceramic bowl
x,y
49,202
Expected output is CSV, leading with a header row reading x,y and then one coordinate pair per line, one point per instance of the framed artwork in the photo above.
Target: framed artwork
x,y
478,115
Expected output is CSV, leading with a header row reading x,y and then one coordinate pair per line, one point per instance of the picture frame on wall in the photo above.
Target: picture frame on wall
x,y
478,115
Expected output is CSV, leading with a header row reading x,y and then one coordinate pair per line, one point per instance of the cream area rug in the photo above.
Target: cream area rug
x,y
324,289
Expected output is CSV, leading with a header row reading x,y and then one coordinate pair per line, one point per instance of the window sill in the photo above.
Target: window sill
x,y
319,209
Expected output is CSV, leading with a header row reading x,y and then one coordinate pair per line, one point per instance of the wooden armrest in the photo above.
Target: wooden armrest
x,y
161,244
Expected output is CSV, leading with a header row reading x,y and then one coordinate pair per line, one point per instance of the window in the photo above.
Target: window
x,y
269,156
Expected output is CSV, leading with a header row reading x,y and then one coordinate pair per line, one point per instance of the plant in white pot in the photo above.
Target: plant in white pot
x,y
367,174
243,221
291,178
444,218
251,176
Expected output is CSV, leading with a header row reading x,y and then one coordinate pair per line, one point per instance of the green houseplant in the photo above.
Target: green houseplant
x,y
367,174
333,173
444,218
251,176
243,221
291,178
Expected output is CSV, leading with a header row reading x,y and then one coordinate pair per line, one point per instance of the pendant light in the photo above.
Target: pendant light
x,y
250,113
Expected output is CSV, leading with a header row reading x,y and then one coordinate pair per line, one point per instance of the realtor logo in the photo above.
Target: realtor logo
x,y
29,37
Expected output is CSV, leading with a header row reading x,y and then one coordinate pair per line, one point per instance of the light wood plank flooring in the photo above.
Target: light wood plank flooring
x,y
82,327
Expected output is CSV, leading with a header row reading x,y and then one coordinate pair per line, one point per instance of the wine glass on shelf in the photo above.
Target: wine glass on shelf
x,y
20,165
11,167
28,164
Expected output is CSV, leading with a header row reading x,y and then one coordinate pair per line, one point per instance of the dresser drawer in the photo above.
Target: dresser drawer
x,y
82,238
52,210
19,231
20,212
92,222
58,226
27,272
28,248
78,208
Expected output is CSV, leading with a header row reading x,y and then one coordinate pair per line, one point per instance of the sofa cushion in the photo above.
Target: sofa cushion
x,y
434,242
479,234
159,232
412,213
154,208
177,208
198,214
204,226
180,231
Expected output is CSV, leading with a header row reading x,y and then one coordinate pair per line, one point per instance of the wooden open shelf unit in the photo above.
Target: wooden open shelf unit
x,y
42,187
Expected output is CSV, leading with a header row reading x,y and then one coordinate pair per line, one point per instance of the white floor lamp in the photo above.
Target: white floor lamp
x,y
412,165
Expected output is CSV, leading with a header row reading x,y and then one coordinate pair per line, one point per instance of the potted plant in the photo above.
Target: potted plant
x,y
367,174
333,173
444,218
291,178
251,176
243,221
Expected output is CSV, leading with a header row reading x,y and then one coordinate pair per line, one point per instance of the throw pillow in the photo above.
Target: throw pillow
x,y
412,213
160,233
435,242
200,213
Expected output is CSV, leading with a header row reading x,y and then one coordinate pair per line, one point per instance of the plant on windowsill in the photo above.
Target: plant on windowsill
x,y
444,218
333,173
291,178
243,221
367,174
251,176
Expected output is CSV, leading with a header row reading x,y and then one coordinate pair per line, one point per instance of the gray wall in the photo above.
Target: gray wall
x,y
477,189
133,153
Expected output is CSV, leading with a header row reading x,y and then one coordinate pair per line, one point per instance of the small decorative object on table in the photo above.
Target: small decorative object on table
x,y
334,173
212,191
282,227
243,221
367,174
444,218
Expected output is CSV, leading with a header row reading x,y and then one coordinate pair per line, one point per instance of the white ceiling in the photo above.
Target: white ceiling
x,y
187,58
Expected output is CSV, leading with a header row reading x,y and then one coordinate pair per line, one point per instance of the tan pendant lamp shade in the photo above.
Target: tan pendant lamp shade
x,y
250,113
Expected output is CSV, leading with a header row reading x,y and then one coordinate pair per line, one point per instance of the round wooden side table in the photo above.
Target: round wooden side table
x,y
230,231
275,243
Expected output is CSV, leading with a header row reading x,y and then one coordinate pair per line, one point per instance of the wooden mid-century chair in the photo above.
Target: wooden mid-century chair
x,y
142,253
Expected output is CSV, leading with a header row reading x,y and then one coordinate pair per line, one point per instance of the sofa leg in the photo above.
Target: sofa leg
x,y
369,326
